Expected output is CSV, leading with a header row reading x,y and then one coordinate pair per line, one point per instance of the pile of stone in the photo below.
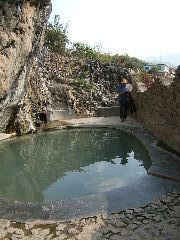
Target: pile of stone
x,y
80,84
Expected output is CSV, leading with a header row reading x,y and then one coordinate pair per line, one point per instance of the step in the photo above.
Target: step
x,y
61,114
107,111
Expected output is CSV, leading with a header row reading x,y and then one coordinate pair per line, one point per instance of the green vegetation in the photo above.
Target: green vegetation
x,y
83,84
82,50
56,36
147,78
128,62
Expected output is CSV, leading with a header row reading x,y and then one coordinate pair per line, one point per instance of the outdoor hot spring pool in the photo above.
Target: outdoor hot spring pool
x,y
70,163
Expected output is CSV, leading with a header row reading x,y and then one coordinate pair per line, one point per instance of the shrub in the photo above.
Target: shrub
x,y
82,84
56,36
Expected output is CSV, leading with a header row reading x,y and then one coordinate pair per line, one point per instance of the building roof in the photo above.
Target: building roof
x,y
151,64
162,64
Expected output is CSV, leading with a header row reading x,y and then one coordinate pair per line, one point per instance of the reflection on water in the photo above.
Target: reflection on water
x,y
69,163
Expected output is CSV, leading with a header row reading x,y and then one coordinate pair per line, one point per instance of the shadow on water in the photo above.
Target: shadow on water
x,y
36,167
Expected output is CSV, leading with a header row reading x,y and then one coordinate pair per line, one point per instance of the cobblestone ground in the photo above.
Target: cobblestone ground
x,y
159,220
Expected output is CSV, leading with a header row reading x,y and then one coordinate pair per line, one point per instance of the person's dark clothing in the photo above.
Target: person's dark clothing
x,y
123,111
122,89
131,103
126,101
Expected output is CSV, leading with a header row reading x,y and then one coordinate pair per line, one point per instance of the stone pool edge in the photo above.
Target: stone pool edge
x,y
4,136
157,220
150,143
19,211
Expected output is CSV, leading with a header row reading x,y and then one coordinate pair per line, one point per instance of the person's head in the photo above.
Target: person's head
x,y
123,81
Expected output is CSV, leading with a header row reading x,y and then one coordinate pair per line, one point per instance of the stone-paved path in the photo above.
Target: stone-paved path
x,y
159,220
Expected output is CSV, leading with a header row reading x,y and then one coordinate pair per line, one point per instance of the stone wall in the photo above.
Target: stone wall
x,y
159,112
22,24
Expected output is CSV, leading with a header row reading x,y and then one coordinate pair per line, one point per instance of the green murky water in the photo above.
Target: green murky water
x,y
69,163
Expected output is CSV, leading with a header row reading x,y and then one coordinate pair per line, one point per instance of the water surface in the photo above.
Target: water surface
x,y
69,163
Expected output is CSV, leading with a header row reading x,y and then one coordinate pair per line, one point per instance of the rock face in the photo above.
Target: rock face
x,y
177,72
159,111
22,24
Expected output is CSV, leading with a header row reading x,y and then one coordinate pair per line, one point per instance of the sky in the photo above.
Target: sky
x,y
139,28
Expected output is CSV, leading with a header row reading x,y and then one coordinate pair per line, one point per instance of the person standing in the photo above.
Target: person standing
x,y
123,99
